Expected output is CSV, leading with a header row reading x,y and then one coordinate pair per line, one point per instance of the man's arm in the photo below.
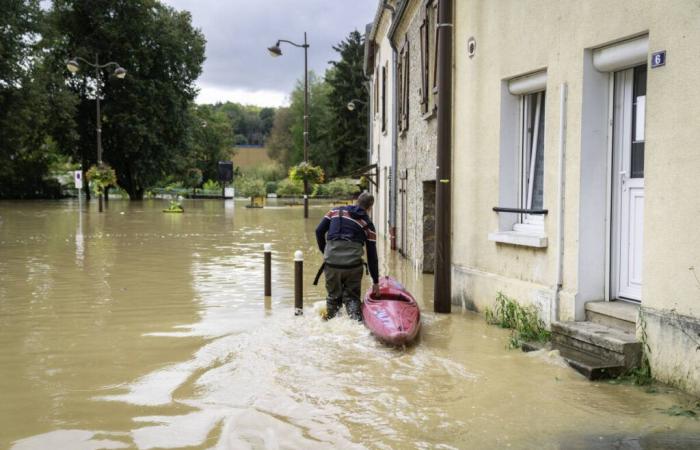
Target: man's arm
x,y
321,231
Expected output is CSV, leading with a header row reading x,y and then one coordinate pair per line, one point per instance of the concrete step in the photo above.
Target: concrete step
x,y
590,366
615,314
608,344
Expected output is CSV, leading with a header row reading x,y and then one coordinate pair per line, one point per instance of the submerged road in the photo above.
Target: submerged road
x,y
138,329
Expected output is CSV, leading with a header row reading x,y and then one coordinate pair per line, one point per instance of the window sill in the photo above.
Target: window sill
x,y
519,238
429,115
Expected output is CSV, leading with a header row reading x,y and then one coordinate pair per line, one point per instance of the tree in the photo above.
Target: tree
x,y
318,123
29,108
210,141
146,116
347,130
279,144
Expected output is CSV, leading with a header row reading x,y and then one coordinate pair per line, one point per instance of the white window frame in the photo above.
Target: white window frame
x,y
528,139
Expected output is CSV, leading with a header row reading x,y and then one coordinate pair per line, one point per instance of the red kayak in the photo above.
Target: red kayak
x,y
393,316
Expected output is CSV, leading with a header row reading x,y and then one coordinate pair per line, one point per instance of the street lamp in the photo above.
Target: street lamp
x,y
119,72
351,103
276,51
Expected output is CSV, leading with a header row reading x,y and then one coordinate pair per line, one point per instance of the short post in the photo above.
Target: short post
x,y
268,269
298,283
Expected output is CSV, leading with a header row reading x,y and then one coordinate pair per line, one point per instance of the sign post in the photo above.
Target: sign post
x,y
78,180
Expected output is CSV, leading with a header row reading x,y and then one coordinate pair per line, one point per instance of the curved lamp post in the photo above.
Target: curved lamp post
x,y
351,104
74,66
275,51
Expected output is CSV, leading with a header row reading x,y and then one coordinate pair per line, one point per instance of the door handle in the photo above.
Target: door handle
x,y
623,179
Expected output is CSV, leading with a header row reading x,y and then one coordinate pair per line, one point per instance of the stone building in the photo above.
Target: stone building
x,y
404,38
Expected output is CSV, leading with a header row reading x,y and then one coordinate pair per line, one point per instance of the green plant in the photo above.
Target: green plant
x,y
211,185
252,187
640,376
175,206
101,177
289,188
342,188
306,172
523,320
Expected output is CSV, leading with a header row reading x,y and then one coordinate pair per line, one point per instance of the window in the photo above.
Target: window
x,y
376,90
521,162
532,155
403,85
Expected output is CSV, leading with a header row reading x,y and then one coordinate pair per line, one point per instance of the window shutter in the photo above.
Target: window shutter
x,y
437,37
424,58
407,70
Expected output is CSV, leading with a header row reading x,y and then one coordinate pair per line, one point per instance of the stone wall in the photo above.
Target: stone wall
x,y
416,151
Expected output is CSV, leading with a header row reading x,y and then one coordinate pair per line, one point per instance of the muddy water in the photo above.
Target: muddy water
x,y
138,329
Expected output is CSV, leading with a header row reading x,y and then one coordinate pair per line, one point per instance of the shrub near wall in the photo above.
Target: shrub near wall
x,y
289,188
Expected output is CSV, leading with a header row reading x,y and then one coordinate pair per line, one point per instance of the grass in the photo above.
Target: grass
x,y
523,320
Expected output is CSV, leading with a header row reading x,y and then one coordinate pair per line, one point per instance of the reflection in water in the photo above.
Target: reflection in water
x,y
160,337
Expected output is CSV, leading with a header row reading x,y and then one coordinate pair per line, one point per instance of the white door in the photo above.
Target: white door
x,y
628,183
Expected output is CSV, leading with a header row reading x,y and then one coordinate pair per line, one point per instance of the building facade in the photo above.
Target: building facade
x,y
574,160
413,35
379,65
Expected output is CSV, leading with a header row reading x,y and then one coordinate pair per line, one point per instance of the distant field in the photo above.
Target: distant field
x,y
250,157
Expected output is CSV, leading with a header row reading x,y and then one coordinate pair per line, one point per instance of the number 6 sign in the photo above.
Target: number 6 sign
x,y
658,59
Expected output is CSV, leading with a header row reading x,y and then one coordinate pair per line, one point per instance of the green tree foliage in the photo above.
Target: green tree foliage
x,y
250,125
347,130
146,116
279,144
31,104
318,123
210,141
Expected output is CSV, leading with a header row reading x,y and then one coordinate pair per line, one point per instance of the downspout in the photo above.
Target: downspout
x,y
394,145
443,194
560,202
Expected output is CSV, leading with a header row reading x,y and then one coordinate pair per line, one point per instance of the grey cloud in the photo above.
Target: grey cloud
x,y
239,32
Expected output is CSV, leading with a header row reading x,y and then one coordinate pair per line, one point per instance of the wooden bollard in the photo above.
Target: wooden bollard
x,y
268,269
298,283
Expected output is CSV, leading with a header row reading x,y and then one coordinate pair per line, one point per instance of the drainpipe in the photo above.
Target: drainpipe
x,y
560,201
443,194
394,146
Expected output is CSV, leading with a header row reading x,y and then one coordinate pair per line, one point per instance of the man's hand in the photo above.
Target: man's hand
x,y
375,290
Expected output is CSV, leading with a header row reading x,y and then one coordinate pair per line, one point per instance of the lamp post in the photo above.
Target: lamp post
x,y
275,51
119,72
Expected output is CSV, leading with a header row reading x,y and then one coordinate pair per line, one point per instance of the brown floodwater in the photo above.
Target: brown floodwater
x,y
139,329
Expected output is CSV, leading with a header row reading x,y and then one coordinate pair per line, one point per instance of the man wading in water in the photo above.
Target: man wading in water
x,y
349,230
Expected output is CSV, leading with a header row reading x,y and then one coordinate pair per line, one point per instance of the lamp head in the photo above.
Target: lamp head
x,y
72,65
275,50
351,106
120,72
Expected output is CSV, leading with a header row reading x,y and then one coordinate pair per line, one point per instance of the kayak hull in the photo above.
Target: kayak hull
x,y
393,316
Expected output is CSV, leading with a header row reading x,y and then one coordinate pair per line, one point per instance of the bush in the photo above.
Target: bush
x,y
252,187
211,185
271,187
290,188
342,188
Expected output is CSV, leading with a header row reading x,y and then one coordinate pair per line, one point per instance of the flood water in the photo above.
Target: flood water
x,y
139,329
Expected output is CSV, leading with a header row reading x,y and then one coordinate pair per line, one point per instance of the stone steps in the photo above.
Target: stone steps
x,y
615,314
596,350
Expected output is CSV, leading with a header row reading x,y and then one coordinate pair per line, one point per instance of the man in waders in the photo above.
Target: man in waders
x,y
342,236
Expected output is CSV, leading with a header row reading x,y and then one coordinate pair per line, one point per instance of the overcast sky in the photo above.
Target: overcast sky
x,y
239,68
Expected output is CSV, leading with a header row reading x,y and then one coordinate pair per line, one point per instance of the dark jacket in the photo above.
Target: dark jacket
x,y
350,224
